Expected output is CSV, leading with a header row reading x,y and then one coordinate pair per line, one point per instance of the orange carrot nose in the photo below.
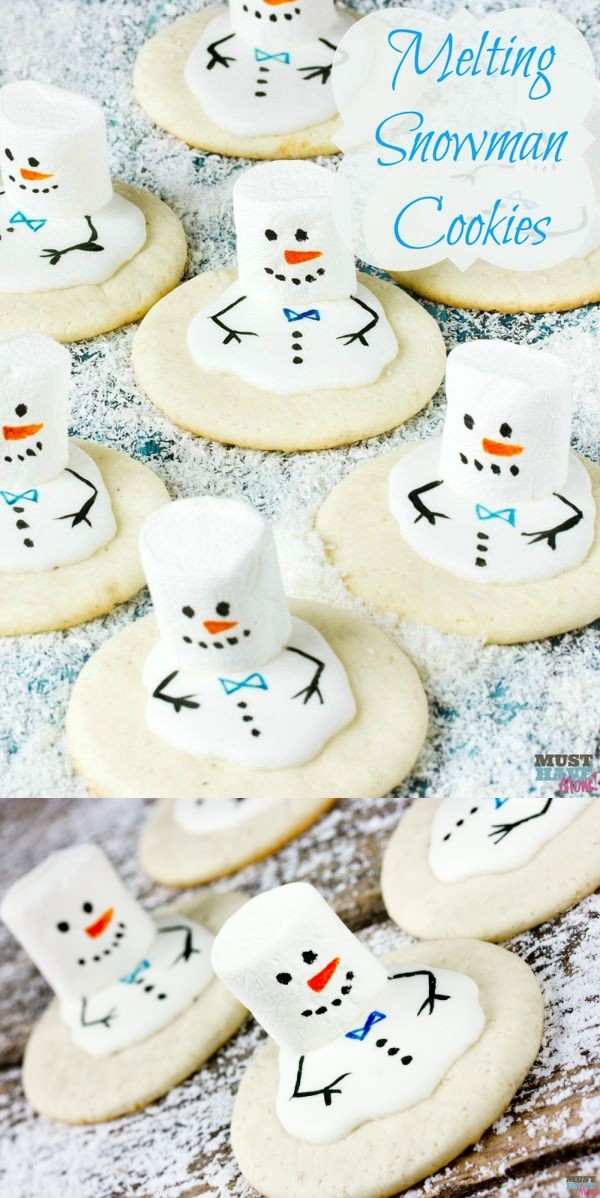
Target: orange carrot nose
x,y
34,176
295,257
215,626
274,3
321,979
101,924
18,432
500,450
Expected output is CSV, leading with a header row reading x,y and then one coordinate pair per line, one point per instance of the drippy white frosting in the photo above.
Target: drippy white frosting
x,y
257,94
262,719
201,817
398,1063
173,971
52,525
469,540
492,836
286,356
26,261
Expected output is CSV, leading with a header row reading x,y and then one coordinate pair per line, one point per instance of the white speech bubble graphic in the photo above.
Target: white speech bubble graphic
x,y
469,139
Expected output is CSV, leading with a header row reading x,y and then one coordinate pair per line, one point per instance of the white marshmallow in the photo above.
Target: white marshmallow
x,y
214,576
286,953
77,922
53,151
283,210
281,24
35,375
509,415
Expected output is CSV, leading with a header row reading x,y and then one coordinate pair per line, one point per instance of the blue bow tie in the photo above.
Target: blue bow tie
x,y
260,56
133,977
508,514
252,682
310,314
11,499
33,223
361,1033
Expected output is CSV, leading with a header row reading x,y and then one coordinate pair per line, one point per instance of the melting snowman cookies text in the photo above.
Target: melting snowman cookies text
x,y
296,319
264,67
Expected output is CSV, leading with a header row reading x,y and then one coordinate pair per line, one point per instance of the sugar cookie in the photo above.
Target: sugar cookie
x,y
386,1070
189,841
137,1008
490,868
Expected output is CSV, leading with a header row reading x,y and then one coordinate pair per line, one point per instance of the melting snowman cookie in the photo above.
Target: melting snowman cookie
x,y
357,1041
61,223
120,975
234,675
264,66
296,319
500,498
54,505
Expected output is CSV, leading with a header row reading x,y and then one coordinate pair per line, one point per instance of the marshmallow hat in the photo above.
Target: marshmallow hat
x,y
289,959
77,922
281,24
289,249
508,422
214,576
53,151
35,374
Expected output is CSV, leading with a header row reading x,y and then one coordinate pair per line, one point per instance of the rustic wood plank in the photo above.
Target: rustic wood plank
x,y
179,1147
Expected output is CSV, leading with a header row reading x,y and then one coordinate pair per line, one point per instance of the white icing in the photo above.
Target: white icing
x,y
288,325
499,498
254,92
202,817
286,952
214,577
66,228
56,518
399,1063
488,836
119,974
272,716
510,554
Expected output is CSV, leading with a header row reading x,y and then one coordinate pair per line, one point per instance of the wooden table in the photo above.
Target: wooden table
x,y
179,1147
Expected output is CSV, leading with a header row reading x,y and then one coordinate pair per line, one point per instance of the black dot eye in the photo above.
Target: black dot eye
x,y
33,161
270,235
21,409
63,926
189,612
469,422
88,908
284,979
309,957
222,609
301,235
505,430
9,154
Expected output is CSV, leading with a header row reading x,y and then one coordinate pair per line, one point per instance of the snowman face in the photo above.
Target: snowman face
x,y
301,972
34,387
213,572
289,248
205,816
77,921
281,24
507,430
53,152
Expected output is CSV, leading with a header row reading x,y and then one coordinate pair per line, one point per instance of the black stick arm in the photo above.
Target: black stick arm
x,y
499,831
82,515
188,941
176,701
326,1092
432,994
550,534
105,1020
90,246
232,334
216,58
367,327
313,687
424,512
